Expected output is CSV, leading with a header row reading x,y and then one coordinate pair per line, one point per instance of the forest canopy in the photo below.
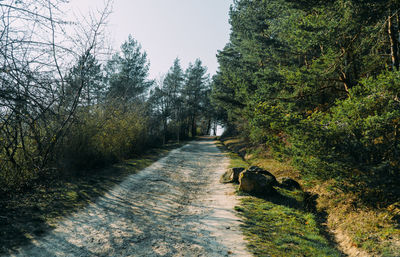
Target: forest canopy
x,y
317,82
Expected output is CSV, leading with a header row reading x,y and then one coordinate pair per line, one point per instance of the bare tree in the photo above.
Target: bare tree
x,y
37,48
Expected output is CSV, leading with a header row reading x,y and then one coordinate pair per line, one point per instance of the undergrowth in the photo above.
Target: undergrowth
x,y
278,225
358,228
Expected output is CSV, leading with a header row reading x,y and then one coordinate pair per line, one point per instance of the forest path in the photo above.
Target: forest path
x,y
175,207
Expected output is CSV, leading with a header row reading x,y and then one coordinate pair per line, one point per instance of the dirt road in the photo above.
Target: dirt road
x,y
175,207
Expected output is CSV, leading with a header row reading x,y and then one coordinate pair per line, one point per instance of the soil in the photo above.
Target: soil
x,y
175,207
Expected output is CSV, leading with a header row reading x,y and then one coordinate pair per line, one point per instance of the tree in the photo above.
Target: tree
x,y
294,69
35,55
88,73
181,101
174,85
127,72
161,105
194,94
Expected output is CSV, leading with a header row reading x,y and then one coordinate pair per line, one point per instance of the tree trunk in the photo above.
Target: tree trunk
x,y
209,128
194,132
215,128
394,50
164,131
178,126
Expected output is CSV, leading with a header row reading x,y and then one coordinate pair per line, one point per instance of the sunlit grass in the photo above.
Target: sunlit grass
x,y
278,225
367,230
274,229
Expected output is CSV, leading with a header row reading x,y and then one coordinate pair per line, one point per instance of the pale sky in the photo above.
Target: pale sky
x,y
167,29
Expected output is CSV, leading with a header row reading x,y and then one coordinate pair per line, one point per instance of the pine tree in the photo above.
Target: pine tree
x,y
174,84
89,73
196,83
127,72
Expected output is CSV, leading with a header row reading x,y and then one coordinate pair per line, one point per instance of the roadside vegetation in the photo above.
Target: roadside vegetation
x,y
67,107
316,221
70,111
315,84
283,224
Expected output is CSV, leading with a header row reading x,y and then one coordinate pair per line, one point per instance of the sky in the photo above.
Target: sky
x,y
166,29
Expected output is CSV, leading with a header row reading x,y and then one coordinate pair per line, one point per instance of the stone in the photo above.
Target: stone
x,y
289,183
259,170
235,174
256,183
226,177
231,176
254,169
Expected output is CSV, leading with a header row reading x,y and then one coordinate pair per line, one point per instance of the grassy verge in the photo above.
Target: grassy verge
x,y
359,228
278,225
274,227
28,216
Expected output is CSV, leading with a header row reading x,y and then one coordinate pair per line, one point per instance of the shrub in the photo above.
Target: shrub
x,y
104,135
357,141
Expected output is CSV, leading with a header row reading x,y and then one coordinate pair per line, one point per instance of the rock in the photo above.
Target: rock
x,y
235,174
289,183
259,170
256,183
231,176
226,177
255,169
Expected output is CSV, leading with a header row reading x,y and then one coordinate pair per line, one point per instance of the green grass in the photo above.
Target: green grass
x,y
276,229
235,159
278,225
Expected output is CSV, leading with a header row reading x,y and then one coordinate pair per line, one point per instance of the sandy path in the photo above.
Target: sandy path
x,y
175,207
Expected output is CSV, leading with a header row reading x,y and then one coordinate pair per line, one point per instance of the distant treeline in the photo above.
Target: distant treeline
x,y
318,82
62,110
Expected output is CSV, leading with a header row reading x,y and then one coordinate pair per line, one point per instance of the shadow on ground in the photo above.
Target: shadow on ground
x,y
28,216
168,209
284,223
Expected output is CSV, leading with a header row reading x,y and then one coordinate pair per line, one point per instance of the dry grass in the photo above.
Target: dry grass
x,y
259,156
278,168
358,229
279,225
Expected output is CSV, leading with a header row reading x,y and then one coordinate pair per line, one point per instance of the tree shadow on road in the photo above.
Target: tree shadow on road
x,y
28,216
138,217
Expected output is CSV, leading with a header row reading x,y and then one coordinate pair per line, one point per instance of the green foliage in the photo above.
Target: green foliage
x,y
316,81
88,74
358,139
182,101
127,72
195,94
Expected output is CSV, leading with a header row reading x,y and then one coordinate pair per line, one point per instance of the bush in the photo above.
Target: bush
x,y
104,135
357,141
